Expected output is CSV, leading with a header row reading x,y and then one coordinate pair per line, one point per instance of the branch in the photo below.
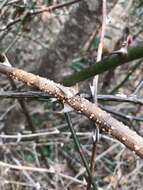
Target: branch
x,y
42,170
100,49
106,64
33,12
123,115
44,96
133,69
107,123
122,98
95,92
54,7
80,150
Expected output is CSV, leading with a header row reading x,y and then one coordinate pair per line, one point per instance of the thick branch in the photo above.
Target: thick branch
x,y
117,129
106,64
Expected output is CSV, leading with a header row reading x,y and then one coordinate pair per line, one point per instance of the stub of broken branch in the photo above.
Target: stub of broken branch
x,y
104,120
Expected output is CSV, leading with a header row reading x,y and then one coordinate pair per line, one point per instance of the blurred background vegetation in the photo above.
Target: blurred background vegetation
x,y
52,42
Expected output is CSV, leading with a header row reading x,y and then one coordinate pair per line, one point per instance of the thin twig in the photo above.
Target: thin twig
x,y
123,115
26,174
24,108
33,12
88,44
100,47
135,67
44,96
122,98
140,85
42,170
95,87
18,183
20,136
11,23
54,7
14,41
79,148
29,121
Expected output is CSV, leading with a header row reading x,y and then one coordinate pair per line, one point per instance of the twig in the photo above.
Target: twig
x,y
135,67
121,114
13,1
26,174
54,7
122,98
93,158
22,95
109,150
140,85
100,48
29,121
134,172
33,12
14,41
18,183
80,173
32,169
95,87
90,40
24,108
44,96
42,170
2,117
19,136
11,23
79,148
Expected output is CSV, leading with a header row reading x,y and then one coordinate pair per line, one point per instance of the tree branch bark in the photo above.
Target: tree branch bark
x,y
104,120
